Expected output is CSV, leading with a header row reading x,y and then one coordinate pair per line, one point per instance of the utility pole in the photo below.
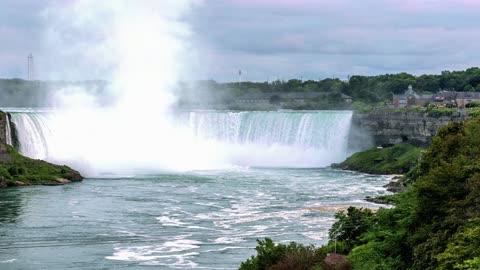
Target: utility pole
x,y
31,69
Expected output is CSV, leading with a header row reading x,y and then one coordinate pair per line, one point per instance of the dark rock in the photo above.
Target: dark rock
x,y
20,183
395,187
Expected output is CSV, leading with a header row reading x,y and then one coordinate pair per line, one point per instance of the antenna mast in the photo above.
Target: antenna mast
x,y
31,70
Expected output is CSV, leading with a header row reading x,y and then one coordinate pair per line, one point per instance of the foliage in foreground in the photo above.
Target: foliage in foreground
x,y
273,256
32,172
435,224
397,159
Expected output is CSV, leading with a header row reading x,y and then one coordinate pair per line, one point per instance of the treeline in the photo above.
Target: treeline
x,y
24,93
363,89
367,89
435,223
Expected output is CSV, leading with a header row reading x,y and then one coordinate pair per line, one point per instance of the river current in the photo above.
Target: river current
x,y
203,219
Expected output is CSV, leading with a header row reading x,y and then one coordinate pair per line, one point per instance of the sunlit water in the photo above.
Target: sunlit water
x,y
203,219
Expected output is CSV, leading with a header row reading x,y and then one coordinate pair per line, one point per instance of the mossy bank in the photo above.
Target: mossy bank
x,y
397,159
18,170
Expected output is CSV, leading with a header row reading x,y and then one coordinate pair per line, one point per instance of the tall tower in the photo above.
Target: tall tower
x,y
239,76
31,70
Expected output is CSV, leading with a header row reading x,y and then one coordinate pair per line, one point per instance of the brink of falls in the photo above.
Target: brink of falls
x,y
265,139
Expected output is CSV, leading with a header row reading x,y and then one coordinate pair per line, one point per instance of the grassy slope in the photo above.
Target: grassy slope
x,y
397,159
33,172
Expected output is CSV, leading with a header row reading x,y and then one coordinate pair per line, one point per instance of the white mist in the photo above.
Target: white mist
x,y
139,47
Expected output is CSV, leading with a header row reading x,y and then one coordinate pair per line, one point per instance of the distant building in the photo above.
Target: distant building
x,y
411,98
445,99
442,99
279,97
463,98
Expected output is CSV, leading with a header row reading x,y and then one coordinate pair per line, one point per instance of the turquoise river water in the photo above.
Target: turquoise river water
x,y
201,219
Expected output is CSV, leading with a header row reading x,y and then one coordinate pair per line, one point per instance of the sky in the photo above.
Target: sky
x,y
287,39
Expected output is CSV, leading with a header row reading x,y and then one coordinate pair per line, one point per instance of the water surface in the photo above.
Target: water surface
x,y
202,219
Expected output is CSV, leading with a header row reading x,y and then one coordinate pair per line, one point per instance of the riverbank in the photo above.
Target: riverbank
x,y
17,170
396,159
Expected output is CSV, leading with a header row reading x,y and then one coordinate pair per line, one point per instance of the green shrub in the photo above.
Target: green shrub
x,y
463,248
280,256
472,104
397,159
31,171
349,227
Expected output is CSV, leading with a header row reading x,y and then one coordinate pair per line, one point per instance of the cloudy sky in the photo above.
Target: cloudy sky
x,y
285,39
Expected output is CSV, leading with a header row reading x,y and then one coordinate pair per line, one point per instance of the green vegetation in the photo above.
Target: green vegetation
x,y
19,170
397,159
273,256
435,223
373,91
366,91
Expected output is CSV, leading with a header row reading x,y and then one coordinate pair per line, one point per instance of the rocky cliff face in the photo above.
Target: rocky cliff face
x,y
417,128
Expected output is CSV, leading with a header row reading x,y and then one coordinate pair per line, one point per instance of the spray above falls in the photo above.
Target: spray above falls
x,y
140,47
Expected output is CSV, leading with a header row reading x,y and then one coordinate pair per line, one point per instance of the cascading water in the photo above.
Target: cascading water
x,y
33,134
271,139
9,132
326,131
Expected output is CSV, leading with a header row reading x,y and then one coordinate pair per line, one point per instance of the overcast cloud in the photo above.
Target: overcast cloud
x,y
285,39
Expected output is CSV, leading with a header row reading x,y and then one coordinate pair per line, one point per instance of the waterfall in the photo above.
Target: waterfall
x,y
34,135
273,139
8,131
327,130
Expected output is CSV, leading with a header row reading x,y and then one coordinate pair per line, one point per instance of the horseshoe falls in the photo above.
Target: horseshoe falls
x,y
247,139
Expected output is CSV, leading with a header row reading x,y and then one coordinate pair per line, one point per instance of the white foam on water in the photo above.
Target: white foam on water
x,y
169,221
228,240
8,261
320,236
166,254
